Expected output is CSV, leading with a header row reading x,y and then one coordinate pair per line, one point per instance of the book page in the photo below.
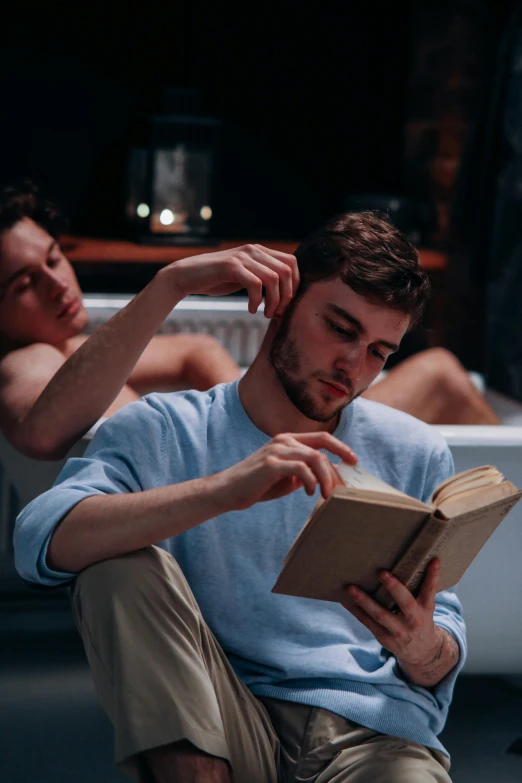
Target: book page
x,y
470,500
357,477
473,482
463,478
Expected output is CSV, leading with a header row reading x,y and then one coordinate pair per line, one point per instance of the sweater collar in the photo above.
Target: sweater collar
x,y
260,438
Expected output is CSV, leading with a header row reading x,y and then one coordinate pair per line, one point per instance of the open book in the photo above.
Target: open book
x,y
367,525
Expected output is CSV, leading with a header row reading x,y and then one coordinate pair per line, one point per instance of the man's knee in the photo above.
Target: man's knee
x,y
125,576
134,579
447,374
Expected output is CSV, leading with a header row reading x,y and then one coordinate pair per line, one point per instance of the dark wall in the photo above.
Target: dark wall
x,y
312,103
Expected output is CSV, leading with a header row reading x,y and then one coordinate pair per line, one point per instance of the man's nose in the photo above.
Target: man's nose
x,y
352,361
56,285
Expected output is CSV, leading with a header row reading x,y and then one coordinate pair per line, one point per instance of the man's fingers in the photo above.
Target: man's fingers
x,y
285,290
253,276
324,440
377,630
286,258
270,279
383,617
252,283
430,583
317,463
286,468
403,597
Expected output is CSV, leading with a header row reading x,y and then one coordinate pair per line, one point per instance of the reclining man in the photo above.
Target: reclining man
x,y
173,527
55,383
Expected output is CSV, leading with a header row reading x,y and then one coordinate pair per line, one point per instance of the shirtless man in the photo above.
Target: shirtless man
x,y
55,383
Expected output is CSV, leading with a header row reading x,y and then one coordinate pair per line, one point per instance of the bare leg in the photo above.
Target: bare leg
x,y
182,361
181,762
433,386
208,363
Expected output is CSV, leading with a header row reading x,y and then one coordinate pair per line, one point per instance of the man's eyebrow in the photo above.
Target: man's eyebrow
x,y
6,283
357,324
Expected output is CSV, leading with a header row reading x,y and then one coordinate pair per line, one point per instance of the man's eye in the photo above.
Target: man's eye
x,y
340,330
22,286
378,355
52,262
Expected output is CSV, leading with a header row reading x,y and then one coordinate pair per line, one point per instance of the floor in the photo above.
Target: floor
x,y
52,729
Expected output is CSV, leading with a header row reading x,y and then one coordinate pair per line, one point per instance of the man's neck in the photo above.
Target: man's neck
x,y
267,404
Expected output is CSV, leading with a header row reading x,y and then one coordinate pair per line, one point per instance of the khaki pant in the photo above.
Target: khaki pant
x,y
162,676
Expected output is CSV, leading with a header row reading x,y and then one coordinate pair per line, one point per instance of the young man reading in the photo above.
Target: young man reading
x,y
174,525
55,383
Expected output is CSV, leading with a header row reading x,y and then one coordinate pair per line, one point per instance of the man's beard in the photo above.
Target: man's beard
x,y
285,358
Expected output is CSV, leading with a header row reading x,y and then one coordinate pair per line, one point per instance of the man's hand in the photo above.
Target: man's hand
x,y
424,651
286,463
226,271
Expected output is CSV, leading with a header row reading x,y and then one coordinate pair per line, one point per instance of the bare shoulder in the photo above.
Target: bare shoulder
x,y
24,374
30,360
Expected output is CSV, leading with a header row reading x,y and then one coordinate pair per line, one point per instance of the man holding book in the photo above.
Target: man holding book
x,y
173,527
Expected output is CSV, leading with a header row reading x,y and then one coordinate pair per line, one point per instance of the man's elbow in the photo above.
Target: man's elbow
x,y
40,446
42,451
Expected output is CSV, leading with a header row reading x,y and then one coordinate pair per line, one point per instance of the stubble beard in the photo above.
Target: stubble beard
x,y
285,359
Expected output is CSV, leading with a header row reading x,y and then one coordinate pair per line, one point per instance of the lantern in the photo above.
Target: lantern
x,y
168,196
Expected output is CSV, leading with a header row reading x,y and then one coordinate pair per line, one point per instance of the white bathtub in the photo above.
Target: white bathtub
x,y
491,590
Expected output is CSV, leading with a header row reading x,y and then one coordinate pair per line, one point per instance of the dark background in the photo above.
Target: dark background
x,y
312,101
316,103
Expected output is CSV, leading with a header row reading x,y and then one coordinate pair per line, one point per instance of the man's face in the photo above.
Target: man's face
x,y
331,345
40,299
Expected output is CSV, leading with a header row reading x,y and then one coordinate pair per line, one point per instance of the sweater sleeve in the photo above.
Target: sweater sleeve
x,y
125,455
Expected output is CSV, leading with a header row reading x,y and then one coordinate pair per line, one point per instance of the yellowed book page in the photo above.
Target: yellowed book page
x,y
471,484
357,477
463,477
474,498
391,499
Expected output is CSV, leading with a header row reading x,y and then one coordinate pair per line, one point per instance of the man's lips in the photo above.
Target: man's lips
x,y
70,308
336,389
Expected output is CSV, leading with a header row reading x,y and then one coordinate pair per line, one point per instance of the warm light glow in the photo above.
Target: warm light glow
x,y
167,217
143,210
206,213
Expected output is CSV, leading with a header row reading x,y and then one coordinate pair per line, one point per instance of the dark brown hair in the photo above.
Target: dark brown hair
x,y
24,199
371,256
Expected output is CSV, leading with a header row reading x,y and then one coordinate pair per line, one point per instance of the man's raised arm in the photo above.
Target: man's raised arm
x,y
84,386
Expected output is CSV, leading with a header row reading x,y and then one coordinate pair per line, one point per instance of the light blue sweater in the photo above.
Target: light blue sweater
x,y
298,649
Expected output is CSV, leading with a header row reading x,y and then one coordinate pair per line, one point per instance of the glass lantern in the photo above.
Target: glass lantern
x,y
168,196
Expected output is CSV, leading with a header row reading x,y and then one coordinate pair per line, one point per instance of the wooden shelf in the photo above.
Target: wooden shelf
x,y
85,250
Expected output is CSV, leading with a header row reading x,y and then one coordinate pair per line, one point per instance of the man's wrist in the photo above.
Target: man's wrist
x,y
165,278
430,671
430,654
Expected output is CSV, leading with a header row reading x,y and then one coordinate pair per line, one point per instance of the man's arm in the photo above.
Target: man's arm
x,y
24,375
82,388
46,422
109,525
435,667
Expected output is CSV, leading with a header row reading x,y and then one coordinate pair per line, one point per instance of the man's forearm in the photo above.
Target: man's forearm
x,y
86,385
429,673
105,526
